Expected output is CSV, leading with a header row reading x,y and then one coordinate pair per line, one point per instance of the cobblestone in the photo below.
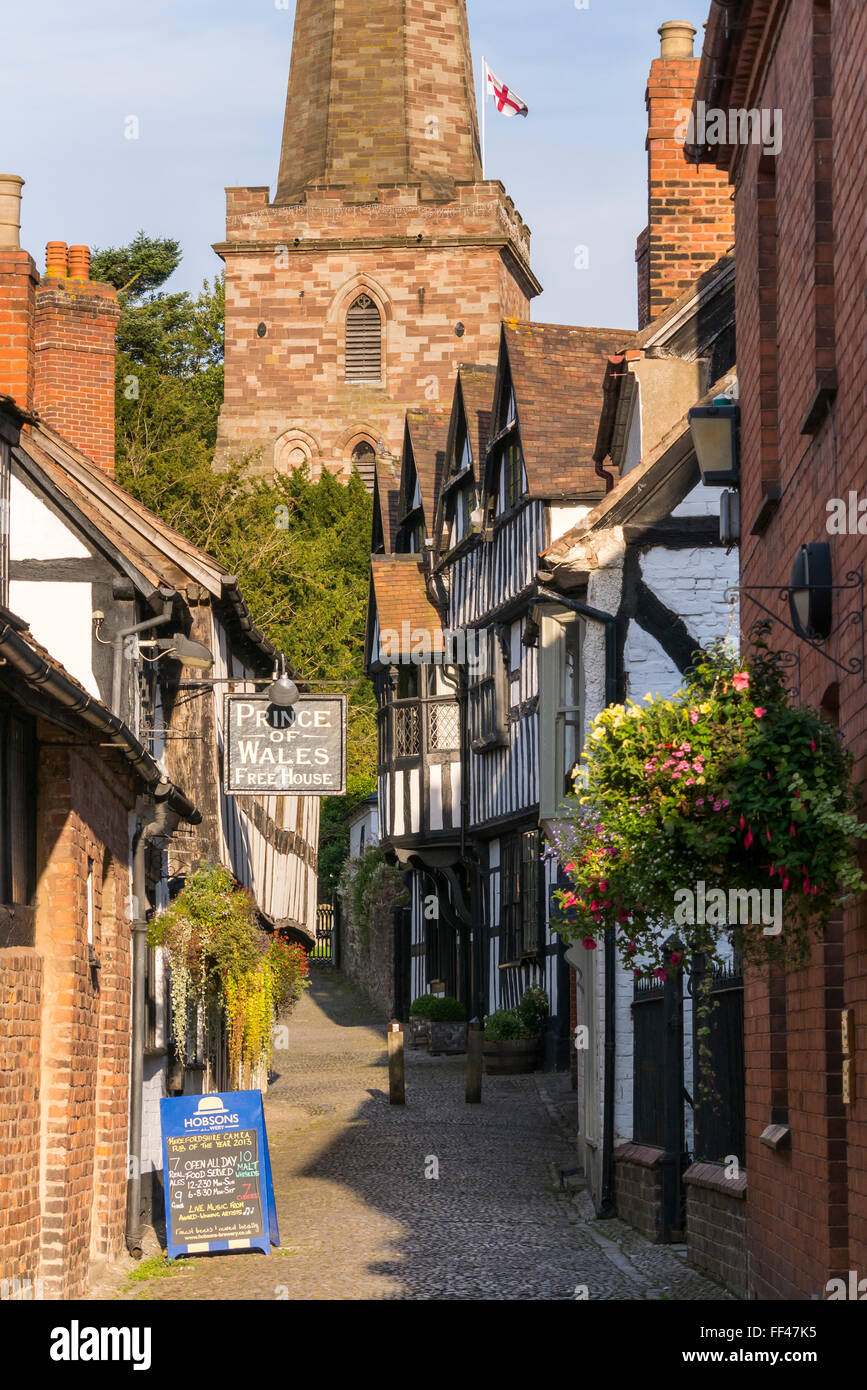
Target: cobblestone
x,y
360,1220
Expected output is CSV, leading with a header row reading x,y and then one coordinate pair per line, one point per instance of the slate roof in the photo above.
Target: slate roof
x,y
557,375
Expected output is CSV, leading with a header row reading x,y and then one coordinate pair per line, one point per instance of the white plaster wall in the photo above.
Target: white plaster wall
x,y
564,518
61,619
36,532
702,501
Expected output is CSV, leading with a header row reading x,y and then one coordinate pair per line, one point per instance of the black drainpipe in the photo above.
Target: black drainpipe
x,y
612,691
148,831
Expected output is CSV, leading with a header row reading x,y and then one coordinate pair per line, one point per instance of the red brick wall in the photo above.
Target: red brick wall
x,y
85,1095
74,334
690,211
18,280
20,1033
808,1206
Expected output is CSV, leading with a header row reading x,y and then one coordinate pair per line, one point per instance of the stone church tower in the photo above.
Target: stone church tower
x,y
384,260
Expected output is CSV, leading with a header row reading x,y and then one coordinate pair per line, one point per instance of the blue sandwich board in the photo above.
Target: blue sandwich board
x,y
217,1174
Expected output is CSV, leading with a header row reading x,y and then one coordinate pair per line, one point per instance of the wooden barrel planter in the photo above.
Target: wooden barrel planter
x,y
514,1057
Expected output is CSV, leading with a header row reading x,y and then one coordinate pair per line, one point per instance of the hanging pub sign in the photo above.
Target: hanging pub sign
x,y
294,750
217,1174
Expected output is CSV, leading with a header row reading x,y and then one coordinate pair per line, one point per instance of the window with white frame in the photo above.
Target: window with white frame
x,y
561,716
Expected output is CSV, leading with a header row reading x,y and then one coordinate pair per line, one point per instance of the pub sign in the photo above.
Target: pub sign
x,y
297,750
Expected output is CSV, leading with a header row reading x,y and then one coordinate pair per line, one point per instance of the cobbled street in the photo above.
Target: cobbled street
x,y
360,1220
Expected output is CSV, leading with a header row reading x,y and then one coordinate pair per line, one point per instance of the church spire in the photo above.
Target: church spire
x,y
377,95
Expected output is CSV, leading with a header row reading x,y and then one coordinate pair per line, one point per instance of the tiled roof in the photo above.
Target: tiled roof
x,y
427,431
153,553
401,597
557,375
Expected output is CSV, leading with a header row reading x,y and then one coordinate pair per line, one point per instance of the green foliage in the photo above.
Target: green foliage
x,y
300,548
223,963
443,1008
139,268
369,889
534,1008
727,783
507,1025
334,816
420,1006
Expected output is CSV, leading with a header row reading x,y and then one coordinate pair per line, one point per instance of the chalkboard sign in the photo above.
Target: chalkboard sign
x,y
217,1174
299,750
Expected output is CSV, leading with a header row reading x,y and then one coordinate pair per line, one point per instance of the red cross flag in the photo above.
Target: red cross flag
x,y
507,102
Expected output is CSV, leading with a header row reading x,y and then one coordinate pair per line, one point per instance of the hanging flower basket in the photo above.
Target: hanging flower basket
x,y
725,811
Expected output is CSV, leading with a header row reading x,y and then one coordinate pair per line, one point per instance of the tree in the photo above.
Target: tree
x,y
300,547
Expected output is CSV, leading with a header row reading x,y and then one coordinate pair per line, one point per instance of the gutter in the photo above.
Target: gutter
x,y
152,828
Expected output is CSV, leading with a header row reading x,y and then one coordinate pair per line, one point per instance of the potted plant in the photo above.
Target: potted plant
x,y
448,1025
513,1037
419,1021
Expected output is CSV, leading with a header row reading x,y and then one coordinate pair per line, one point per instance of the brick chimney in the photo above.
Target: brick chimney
x,y
690,210
75,324
18,280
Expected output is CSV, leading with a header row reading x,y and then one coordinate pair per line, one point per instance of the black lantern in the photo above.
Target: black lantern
x,y
810,601
715,433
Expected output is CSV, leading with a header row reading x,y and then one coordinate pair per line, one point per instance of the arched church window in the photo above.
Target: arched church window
x,y
363,341
364,459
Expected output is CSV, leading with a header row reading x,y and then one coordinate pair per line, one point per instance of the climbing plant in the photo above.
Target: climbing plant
x,y
224,966
369,888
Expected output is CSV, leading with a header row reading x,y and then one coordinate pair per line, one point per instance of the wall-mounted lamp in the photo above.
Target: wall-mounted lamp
x,y
715,433
810,601
188,653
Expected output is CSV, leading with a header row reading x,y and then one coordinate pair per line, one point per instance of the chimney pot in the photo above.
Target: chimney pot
x,y
55,260
677,37
78,262
10,210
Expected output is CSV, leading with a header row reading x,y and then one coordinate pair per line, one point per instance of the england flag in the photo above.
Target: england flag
x,y
507,102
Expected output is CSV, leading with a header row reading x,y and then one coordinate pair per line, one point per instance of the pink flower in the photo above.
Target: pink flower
x,y
758,711
742,822
569,868
631,947
603,885
700,801
569,900
690,782
717,805
812,745
748,839
792,830
675,957
741,681
724,804
785,882
660,974
588,943
693,716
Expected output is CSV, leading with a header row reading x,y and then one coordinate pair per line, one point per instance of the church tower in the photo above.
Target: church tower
x,y
384,260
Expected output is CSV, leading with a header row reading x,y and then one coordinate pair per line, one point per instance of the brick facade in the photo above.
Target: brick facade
x,y
800,316
690,211
380,193
638,1187
83,832
20,1072
74,330
716,1223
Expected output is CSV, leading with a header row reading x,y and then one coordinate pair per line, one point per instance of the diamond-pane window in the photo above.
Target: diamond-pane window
x,y
444,728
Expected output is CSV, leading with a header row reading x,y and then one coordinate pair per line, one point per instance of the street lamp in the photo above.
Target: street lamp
x,y
188,653
715,433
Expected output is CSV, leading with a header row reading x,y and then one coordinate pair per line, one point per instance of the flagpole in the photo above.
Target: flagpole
x,y
484,112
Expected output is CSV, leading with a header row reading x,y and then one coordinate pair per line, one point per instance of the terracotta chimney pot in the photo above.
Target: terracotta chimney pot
x,y
78,262
55,260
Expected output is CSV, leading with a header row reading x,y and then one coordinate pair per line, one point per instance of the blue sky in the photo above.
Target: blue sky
x,y
207,82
